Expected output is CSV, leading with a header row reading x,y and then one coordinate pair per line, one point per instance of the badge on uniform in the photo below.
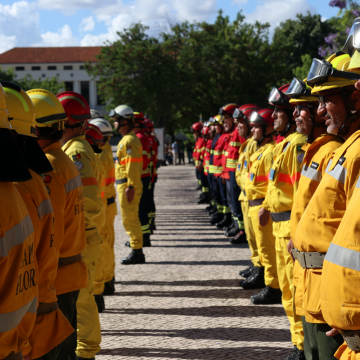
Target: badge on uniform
x,y
300,157
128,149
259,157
252,175
46,178
121,146
245,164
79,165
272,174
341,160
238,166
75,157
287,145
314,165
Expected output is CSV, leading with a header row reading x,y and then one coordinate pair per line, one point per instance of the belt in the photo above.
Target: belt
x,y
46,308
352,338
13,356
282,216
309,260
256,202
69,260
121,181
110,200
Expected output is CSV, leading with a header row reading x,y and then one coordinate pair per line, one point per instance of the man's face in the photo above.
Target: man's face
x,y
212,131
228,123
333,110
218,128
280,119
242,128
257,132
303,119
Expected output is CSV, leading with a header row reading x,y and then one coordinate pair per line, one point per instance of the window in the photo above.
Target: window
x,y
68,67
85,90
19,68
69,85
82,67
35,68
51,67
99,99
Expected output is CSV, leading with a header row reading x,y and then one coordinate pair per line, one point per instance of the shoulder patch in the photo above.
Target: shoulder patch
x,y
46,178
300,157
314,165
238,166
79,165
77,156
341,160
299,148
287,145
260,156
121,146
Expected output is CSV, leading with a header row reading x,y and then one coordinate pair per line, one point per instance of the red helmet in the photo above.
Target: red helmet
x,y
228,109
76,107
197,126
205,130
262,117
277,97
245,111
139,117
149,124
93,135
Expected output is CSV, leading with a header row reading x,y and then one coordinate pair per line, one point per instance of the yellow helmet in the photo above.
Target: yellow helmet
x,y
219,119
48,109
21,109
4,113
338,63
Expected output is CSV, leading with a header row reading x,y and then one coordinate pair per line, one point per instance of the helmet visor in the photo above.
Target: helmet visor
x,y
352,42
276,97
255,118
298,88
238,114
113,113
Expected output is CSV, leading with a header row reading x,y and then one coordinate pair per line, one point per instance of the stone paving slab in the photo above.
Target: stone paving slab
x,y
185,302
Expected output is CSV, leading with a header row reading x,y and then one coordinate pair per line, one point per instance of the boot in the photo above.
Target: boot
x,y
232,232
228,228
216,218
146,240
99,299
226,221
267,295
239,238
199,187
109,287
213,211
209,208
296,354
255,280
205,199
246,272
135,257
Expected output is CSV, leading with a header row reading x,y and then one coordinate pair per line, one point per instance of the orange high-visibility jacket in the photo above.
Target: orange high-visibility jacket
x,y
218,152
232,150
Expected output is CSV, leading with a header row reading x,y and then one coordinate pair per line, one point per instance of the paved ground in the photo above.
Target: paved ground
x,y
185,302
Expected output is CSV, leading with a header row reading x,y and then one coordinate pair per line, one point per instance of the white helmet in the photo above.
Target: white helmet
x,y
95,114
103,125
122,111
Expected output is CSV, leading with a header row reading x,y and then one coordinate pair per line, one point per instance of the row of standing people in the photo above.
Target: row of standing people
x,y
296,176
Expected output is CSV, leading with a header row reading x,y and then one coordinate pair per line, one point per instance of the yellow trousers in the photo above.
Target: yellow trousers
x,y
107,246
88,323
99,272
265,242
130,216
250,234
285,275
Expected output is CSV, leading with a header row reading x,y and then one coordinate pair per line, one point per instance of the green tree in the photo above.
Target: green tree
x,y
8,75
301,72
51,84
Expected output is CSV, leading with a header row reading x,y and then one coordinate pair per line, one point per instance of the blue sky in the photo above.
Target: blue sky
x,y
91,22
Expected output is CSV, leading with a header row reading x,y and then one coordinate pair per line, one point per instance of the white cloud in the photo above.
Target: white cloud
x,y
63,37
239,2
7,42
87,24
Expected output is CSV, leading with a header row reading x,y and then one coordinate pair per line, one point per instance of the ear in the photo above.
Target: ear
x,y
355,97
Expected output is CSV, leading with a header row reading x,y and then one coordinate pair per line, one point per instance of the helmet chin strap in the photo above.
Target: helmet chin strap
x,y
351,113
264,136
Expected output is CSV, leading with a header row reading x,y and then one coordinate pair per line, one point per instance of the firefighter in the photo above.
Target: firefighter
x,y
245,151
318,149
144,206
199,145
128,179
284,179
205,195
210,130
339,104
94,136
82,155
154,144
17,258
108,235
262,128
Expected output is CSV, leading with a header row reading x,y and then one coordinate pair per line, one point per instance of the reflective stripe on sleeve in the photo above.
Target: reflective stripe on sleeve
x,y
9,321
338,173
73,184
131,160
44,208
286,178
16,235
110,180
89,181
311,173
344,257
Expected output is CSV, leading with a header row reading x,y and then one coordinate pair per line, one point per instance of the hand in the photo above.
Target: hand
x,y
130,193
264,216
332,332
357,85
290,246
200,167
223,180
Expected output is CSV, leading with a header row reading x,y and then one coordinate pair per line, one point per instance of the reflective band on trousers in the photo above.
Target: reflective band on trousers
x,y
12,319
121,181
344,257
73,184
16,235
311,173
44,208
338,173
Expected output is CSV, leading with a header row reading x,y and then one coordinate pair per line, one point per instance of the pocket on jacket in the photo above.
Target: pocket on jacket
x,y
350,313
311,299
